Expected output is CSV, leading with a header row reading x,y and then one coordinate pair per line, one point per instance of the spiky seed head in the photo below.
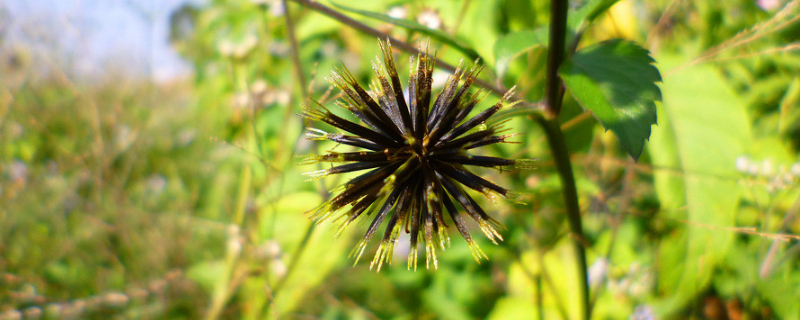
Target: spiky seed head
x,y
415,154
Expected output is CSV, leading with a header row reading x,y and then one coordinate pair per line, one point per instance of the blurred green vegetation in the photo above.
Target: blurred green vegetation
x,y
184,200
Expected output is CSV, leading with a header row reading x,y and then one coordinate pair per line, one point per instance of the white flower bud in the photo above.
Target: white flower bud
x,y
398,12
278,268
598,272
259,87
430,19
272,248
795,169
226,48
234,246
742,163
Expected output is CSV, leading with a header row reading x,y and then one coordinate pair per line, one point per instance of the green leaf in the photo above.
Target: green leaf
x,y
704,128
513,308
321,254
616,80
513,45
414,26
590,11
777,291
560,267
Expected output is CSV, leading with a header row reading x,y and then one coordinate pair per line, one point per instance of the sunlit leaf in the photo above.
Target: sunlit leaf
x,y
703,129
513,45
319,257
616,81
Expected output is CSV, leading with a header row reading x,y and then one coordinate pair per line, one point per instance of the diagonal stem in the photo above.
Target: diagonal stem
x,y
336,15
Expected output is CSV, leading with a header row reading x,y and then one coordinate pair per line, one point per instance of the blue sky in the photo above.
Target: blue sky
x,y
91,35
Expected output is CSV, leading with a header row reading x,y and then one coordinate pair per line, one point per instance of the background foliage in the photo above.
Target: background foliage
x,y
126,197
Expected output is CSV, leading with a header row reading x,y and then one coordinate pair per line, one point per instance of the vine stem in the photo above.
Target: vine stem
x,y
336,15
558,146
555,55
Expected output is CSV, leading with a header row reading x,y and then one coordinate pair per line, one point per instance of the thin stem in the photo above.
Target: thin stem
x,y
538,298
298,67
461,14
558,146
555,55
396,43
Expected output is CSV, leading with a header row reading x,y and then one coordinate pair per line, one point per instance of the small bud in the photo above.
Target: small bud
x,y
234,246
598,272
742,164
398,12
233,230
241,100
226,48
259,87
795,170
115,299
278,268
273,249
430,19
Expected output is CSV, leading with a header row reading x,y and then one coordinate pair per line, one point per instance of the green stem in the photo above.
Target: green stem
x,y
298,66
558,145
555,55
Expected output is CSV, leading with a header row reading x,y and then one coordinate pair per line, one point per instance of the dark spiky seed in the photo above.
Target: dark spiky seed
x,y
416,156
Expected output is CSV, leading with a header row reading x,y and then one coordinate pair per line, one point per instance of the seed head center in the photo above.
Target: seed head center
x,y
419,149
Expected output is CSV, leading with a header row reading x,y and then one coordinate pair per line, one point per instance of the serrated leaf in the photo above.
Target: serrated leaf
x,y
414,26
514,44
616,80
